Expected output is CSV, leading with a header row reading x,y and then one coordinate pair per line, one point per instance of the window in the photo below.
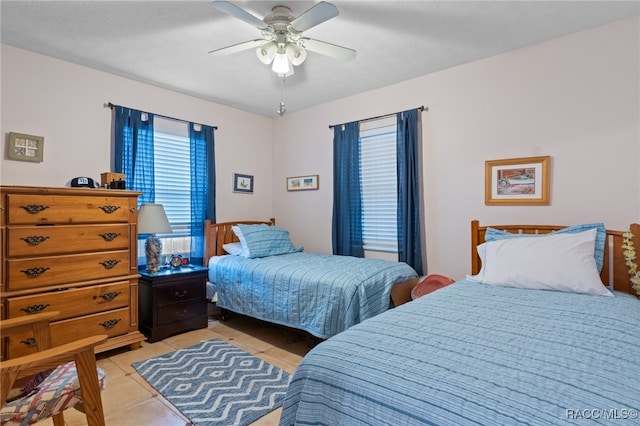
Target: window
x,y
172,168
378,174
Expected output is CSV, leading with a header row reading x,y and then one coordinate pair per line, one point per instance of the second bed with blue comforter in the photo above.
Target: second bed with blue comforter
x,y
321,294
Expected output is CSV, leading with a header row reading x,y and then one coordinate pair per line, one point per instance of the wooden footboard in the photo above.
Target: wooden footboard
x,y
218,234
615,270
401,292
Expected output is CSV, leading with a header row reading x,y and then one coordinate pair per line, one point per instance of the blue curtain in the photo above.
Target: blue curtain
x,y
347,197
409,222
133,151
202,186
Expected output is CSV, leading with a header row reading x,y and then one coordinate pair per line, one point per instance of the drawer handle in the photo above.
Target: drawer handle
x,y
180,293
31,342
109,236
110,323
34,309
34,240
110,296
108,209
34,208
109,264
34,272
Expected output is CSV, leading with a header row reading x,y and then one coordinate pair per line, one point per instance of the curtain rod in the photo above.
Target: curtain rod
x,y
421,108
110,105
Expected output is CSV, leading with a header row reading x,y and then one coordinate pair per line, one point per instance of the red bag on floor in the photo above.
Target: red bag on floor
x,y
429,284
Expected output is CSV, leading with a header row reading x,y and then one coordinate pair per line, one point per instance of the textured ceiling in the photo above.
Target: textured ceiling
x,y
166,43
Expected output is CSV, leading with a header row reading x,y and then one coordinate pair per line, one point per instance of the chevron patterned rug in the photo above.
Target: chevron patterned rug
x,y
215,383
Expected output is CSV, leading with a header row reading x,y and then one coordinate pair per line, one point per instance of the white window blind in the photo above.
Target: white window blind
x,y
378,174
172,174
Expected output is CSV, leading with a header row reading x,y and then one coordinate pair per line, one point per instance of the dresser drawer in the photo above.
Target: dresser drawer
x,y
111,323
54,270
177,293
62,239
27,209
181,311
73,302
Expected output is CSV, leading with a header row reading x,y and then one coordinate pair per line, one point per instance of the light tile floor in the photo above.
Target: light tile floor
x,y
129,400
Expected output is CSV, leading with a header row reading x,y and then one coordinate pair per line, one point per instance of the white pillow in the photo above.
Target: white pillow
x,y
560,262
235,249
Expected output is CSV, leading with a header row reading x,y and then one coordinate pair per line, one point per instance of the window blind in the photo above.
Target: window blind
x,y
378,172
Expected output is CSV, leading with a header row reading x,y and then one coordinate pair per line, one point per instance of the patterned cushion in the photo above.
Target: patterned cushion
x,y
57,392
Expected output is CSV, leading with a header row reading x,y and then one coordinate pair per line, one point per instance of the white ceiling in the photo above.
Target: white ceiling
x,y
166,43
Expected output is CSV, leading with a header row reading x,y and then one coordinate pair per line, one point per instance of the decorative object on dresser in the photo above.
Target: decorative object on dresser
x,y
152,221
72,250
172,301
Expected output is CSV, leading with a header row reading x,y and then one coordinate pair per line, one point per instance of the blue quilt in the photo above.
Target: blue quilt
x,y
472,354
321,294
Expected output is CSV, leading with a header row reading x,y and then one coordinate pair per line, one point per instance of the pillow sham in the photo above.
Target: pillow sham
x,y
263,240
493,234
560,262
234,249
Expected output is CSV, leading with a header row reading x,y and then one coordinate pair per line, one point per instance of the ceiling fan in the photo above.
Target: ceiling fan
x,y
282,44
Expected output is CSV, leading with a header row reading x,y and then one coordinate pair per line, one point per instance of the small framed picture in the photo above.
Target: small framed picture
x,y
242,183
517,181
26,147
303,183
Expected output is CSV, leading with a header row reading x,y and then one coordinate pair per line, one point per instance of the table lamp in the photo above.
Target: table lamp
x,y
152,220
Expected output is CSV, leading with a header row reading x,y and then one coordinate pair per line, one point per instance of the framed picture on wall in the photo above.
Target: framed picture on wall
x,y
517,181
25,147
242,183
303,183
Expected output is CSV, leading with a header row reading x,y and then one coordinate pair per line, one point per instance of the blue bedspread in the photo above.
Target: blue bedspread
x,y
318,293
472,354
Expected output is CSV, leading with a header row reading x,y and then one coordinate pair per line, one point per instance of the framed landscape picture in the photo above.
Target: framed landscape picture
x,y
303,183
517,181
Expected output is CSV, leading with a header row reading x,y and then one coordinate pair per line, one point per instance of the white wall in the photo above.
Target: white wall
x,y
575,98
65,103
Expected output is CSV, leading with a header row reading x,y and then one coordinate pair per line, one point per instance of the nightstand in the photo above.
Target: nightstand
x,y
172,301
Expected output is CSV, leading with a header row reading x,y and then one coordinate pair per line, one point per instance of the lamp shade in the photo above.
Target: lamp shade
x,y
153,220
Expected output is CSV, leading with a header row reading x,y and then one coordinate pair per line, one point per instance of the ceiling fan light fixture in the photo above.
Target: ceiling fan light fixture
x,y
295,54
267,52
281,64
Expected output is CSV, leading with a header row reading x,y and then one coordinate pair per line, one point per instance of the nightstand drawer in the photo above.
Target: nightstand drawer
x,y
181,311
187,290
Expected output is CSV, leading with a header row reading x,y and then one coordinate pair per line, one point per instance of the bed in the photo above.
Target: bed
x,y
483,354
282,284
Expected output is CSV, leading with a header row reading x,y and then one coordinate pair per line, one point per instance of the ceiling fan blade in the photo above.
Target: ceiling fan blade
x,y
318,14
237,48
235,11
328,49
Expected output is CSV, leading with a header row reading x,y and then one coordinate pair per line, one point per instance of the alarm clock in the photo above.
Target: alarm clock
x,y
176,261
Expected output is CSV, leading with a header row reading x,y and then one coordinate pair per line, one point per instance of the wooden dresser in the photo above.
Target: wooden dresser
x,y
72,250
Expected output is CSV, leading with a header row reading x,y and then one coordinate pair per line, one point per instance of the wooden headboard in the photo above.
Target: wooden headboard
x,y
615,271
217,234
